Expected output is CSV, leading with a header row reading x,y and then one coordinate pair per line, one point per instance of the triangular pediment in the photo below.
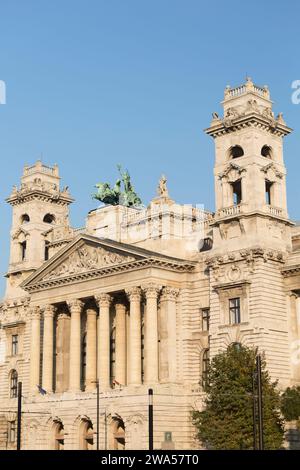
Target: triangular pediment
x,y
85,254
89,257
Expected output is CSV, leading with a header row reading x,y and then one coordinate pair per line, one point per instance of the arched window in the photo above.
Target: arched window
x,y
236,151
86,435
206,244
59,435
13,384
117,438
49,219
25,219
113,356
266,151
205,367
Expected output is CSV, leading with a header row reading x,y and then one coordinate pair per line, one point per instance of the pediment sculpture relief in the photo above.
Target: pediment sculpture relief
x,y
87,258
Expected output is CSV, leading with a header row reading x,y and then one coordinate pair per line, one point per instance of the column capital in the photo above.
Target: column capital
x,y
169,293
49,311
133,293
35,313
103,300
75,305
151,290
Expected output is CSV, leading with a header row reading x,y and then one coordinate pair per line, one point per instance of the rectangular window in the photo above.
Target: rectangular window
x,y
237,192
268,192
12,431
235,310
205,319
46,251
23,246
14,345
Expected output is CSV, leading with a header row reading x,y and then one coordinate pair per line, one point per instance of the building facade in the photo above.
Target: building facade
x,y
143,297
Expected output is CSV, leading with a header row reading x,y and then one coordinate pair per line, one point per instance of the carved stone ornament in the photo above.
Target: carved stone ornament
x,y
87,258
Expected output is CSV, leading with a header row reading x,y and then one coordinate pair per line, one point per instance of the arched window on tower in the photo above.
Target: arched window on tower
x,y
236,151
25,219
49,219
266,151
13,384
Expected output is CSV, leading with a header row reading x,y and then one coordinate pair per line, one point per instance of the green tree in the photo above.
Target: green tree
x,y
227,420
290,404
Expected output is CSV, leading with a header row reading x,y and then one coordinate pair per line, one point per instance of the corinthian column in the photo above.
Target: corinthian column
x,y
75,308
104,301
120,343
169,296
151,334
135,345
48,348
35,349
91,348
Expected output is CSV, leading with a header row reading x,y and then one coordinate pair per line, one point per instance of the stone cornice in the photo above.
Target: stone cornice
x,y
25,196
109,271
249,120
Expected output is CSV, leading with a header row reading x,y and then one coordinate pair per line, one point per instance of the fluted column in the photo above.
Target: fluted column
x,y
35,349
169,296
151,333
91,349
120,343
103,359
75,308
135,345
48,348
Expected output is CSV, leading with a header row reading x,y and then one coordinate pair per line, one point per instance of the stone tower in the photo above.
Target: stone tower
x,y
251,230
250,175
40,209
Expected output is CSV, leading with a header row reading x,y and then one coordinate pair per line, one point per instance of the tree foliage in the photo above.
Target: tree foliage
x,y
227,420
290,403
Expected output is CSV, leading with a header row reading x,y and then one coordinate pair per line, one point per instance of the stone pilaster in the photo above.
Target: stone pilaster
x,y
169,297
35,349
91,348
75,307
151,333
120,343
135,346
48,356
104,301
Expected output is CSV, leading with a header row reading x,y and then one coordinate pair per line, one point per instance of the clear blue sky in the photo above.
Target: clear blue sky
x,y
96,82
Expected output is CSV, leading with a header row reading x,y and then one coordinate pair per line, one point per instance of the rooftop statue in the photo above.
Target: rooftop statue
x,y
115,195
162,187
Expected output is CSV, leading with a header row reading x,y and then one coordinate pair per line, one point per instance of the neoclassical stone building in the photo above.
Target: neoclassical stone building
x,y
142,297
